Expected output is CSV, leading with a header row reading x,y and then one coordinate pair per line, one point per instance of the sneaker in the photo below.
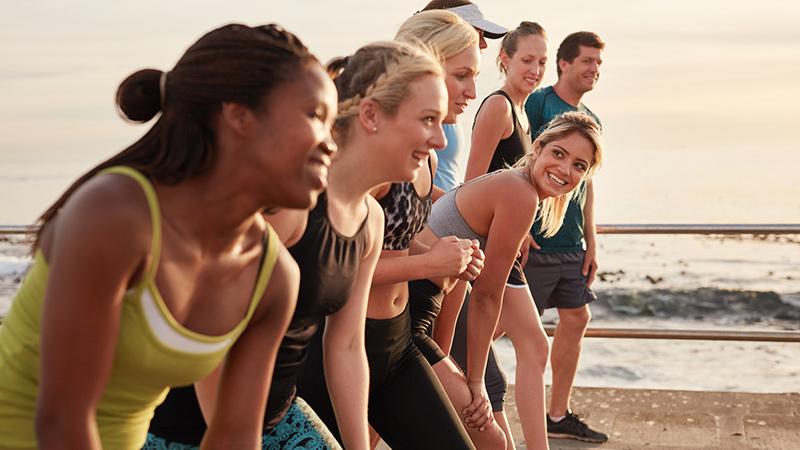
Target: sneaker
x,y
572,427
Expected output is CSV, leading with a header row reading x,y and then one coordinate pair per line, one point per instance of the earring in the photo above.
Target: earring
x,y
374,129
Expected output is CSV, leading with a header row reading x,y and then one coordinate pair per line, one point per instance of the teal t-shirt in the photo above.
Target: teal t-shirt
x,y
541,106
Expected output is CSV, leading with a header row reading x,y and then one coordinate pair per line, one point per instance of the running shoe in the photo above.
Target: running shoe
x,y
572,427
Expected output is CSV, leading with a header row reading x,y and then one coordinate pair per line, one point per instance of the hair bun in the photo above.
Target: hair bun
x,y
139,97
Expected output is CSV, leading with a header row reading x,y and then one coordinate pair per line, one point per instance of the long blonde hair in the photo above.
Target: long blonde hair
x,y
448,33
551,210
382,72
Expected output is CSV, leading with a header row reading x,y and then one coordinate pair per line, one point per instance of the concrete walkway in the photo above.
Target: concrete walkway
x,y
672,420
679,420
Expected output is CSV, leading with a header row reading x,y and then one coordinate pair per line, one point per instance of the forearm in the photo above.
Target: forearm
x,y
66,430
400,269
347,376
445,325
206,392
589,227
216,438
418,247
590,236
484,312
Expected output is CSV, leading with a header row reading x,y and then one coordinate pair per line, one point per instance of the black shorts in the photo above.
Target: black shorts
x,y
516,278
556,281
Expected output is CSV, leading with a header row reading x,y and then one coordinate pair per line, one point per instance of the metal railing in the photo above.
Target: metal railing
x,y
644,333
17,229
682,334
758,229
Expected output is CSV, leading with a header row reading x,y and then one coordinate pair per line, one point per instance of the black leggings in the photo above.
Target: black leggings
x,y
495,378
407,405
424,305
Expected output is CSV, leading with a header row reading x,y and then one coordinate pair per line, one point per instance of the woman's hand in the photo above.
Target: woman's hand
x,y
478,414
475,264
527,244
589,268
449,257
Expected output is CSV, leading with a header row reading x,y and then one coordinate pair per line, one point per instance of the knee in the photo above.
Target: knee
x,y
575,319
535,351
542,354
497,439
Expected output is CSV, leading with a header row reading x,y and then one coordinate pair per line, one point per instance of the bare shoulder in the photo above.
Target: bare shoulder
x,y
375,224
381,190
496,106
107,207
509,187
494,120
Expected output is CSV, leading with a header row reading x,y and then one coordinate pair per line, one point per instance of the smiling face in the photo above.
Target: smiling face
x,y
525,69
292,137
460,73
414,130
584,71
561,164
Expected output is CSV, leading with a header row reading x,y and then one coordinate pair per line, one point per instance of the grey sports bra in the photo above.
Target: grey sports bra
x,y
446,219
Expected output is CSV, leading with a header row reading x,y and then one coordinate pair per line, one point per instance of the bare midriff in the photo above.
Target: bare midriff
x,y
388,300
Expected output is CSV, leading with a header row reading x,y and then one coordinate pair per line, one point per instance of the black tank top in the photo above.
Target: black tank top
x,y
512,148
328,263
406,213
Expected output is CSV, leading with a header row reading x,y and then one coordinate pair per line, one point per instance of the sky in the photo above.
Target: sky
x,y
699,100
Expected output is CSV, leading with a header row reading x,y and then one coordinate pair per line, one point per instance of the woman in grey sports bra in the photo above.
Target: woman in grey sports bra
x,y
498,209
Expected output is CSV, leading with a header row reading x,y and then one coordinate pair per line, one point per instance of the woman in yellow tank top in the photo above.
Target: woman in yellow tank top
x,y
156,265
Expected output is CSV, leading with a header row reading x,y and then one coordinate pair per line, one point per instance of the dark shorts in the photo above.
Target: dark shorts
x,y
555,280
516,278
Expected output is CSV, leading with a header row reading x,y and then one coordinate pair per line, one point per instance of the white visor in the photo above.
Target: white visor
x,y
473,16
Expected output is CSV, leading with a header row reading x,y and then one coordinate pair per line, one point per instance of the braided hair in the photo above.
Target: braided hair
x,y
381,72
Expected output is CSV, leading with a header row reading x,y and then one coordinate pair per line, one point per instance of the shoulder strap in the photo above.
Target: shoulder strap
x,y
155,213
271,246
514,118
497,92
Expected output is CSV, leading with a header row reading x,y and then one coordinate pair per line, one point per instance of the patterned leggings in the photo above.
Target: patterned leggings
x,y
299,429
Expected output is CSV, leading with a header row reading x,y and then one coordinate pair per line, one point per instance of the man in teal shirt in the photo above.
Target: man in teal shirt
x,y
559,270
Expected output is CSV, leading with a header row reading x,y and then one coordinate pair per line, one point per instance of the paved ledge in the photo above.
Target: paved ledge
x,y
671,420
653,419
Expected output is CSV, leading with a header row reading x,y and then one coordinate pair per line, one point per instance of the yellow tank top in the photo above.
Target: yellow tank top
x,y
153,352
